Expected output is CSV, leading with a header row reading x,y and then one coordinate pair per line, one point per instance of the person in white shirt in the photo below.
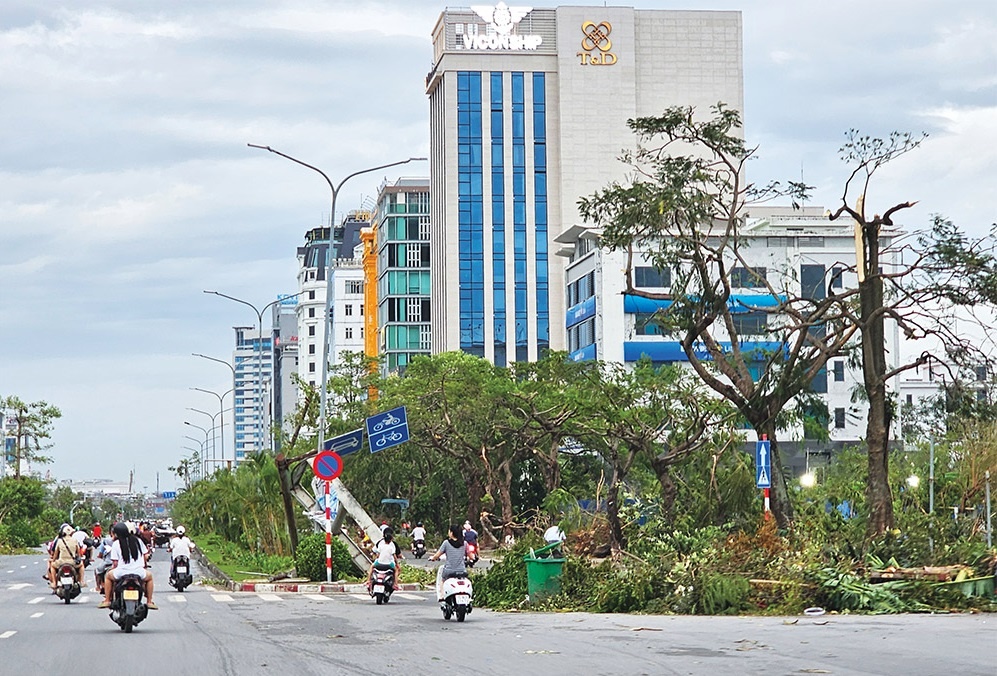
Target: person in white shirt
x,y
418,533
127,558
180,545
388,555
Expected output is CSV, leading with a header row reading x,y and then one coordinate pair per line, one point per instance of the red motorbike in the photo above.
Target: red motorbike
x,y
471,554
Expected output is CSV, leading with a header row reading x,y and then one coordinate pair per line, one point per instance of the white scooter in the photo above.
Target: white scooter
x,y
457,597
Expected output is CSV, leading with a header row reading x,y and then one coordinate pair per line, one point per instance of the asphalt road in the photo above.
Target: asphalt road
x,y
211,632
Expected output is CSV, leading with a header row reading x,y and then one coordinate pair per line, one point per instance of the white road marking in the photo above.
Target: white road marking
x,y
37,615
7,634
177,598
37,599
410,597
270,597
24,566
19,585
83,599
316,597
209,587
221,598
361,597
10,571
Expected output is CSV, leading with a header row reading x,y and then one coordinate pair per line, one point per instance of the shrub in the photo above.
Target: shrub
x,y
22,534
311,558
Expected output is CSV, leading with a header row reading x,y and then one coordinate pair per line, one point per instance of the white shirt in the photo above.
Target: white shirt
x,y
386,552
133,567
180,546
418,533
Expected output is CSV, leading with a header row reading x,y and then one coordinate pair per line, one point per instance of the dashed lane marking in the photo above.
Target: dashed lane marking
x,y
317,597
177,598
410,597
36,615
361,597
222,598
7,634
210,588
24,566
37,599
270,597
19,585
83,599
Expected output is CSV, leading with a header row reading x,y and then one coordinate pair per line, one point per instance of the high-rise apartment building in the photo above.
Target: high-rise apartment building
x,y
528,113
282,389
401,226
253,359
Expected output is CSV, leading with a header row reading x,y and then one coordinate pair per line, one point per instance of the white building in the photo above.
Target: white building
x,y
800,248
528,111
348,303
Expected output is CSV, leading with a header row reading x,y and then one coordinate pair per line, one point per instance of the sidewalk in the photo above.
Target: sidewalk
x,y
311,587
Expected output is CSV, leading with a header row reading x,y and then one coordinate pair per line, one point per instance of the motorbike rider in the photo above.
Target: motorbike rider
x,y
389,555
101,563
127,558
180,545
453,548
470,535
65,549
418,534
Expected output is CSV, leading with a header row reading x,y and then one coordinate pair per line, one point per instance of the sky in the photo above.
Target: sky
x,y
127,187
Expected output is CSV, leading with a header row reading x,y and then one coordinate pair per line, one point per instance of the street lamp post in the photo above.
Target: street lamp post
x,y
232,368
260,432
329,270
201,444
205,458
221,413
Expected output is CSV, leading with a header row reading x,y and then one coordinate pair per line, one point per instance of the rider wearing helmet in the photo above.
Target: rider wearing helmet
x,y
418,533
65,549
180,545
127,558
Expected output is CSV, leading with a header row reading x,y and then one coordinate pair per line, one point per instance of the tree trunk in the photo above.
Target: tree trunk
x,y
877,436
617,540
504,486
475,493
669,491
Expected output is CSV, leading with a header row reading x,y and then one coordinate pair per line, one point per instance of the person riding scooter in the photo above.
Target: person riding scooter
x,y
127,558
389,555
180,545
453,548
418,537
65,549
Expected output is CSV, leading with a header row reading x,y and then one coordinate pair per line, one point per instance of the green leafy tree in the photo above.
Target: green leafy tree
x,y
684,210
32,429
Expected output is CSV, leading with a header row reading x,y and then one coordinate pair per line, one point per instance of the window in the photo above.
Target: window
x,y
981,374
311,330
839,371
836,274
581,289
910,399
311,295
311,349
361,309
348,310
311,312
646,276
839,418
349,333
749,323
747,278
354,286
311,367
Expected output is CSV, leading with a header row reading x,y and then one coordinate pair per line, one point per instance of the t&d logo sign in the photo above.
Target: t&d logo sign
x,y
596,44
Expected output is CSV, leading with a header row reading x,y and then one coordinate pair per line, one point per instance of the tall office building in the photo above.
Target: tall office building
x,y
253,367
528,112
281,389
401,226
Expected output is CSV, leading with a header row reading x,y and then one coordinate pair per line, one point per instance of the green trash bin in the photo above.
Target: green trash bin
x,y
543,571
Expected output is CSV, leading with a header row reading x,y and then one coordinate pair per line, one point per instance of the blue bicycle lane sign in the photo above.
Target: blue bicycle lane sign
x,y
387,429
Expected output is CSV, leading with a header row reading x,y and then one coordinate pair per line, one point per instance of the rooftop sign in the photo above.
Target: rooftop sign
x,y
499,32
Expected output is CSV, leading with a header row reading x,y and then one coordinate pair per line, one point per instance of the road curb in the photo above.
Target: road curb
x,y
311,588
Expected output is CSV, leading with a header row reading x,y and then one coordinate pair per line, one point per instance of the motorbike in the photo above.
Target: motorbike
x,y
419,549
127,604
382,584
180,575
457,597
471,554
67,587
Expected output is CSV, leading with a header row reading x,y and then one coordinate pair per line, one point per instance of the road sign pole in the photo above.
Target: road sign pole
x,y
765,492
328,534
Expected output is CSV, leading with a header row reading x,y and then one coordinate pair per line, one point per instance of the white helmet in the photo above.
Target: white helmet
x,y
181,530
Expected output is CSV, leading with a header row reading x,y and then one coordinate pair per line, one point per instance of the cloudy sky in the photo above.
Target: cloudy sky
x,y
126,186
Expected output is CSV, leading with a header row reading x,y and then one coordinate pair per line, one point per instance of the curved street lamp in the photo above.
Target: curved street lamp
x,y
329,270
221,430
260,431
221,413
